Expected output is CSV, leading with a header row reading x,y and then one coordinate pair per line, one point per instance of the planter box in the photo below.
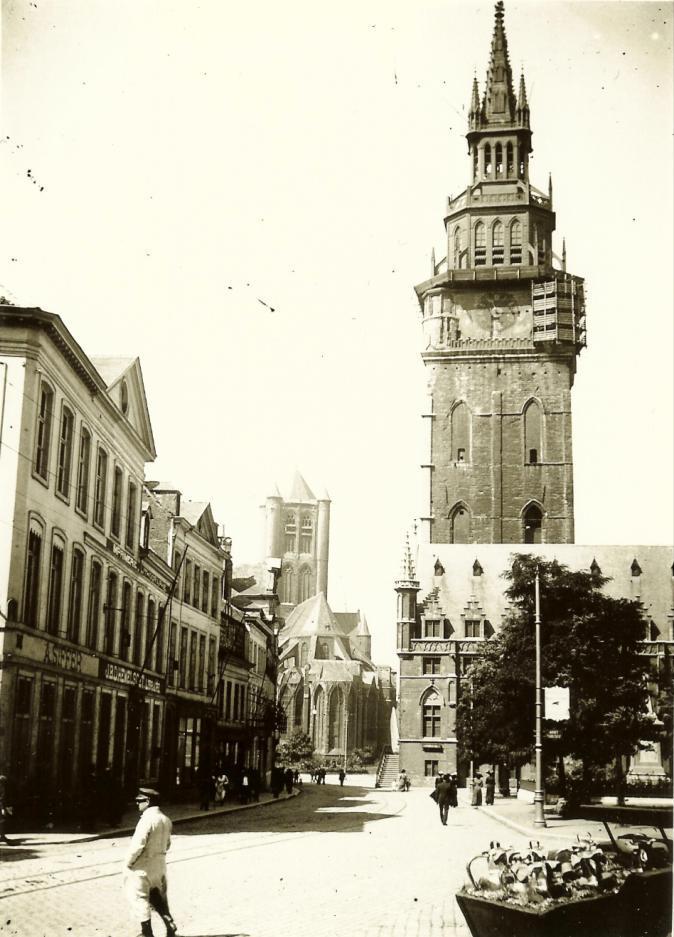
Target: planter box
x,y
642,908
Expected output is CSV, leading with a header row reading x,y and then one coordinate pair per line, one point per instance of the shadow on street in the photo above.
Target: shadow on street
x,y
320,808
16,852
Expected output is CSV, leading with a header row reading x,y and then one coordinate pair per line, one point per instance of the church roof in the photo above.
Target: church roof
x,y
299,490
313,617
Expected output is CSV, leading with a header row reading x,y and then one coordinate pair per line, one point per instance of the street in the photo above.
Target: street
x,y
352,861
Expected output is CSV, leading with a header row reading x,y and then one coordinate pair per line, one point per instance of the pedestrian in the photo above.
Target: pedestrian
x,y
443,790
403,782
277,780
489,788
296,777
221,784
342,775
5,811
145,872
476,791
454,792
288,779
245,787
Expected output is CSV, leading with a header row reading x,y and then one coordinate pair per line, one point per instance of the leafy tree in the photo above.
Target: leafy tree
x,y
295,749
589,642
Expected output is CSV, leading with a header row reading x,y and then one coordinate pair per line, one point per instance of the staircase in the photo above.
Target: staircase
x,y
388,770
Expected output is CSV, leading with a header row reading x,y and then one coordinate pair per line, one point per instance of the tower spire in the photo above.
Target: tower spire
x,y
499,95
522,103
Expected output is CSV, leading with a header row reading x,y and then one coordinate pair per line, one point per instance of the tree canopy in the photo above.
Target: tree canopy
x,y
295,749
589,643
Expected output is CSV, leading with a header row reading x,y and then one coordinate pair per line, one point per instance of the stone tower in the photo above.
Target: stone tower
x,y
502,327
297,530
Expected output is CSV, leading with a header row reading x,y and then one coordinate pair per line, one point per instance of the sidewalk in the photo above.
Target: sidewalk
x,y
519,815
179,813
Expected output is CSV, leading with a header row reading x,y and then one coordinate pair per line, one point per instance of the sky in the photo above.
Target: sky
x,y
244,195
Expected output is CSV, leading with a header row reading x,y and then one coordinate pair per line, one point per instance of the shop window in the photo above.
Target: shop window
x,y
83,468
65,452
43,430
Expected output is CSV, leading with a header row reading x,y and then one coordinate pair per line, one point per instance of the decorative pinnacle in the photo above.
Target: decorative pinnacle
x,y
522,102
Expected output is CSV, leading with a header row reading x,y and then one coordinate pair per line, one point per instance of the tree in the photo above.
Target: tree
x,y
589,643
295,748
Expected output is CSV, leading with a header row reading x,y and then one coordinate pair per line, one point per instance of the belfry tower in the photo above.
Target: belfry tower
x,y
502,328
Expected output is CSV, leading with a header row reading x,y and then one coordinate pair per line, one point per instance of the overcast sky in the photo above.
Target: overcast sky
x,y
244,195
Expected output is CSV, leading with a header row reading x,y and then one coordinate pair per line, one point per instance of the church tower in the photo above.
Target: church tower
x,y
502,327
297,530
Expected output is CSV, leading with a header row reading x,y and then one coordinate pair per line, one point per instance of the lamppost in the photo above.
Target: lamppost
x,y
539,793
346,727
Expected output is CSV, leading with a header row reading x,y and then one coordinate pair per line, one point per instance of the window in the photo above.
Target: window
x,y
187,583
210,680
431,769
499,160
138,629
22,727
45,732
458,239
195,586
290,533
431,717
515,243
193,661
182,678
459,524
532,432
510,162
116,521
75,595
65,453
228,701
32,595
99,490
43,430
131,517
125,623
497,244
124,398
110,614
487,160
55,589
201,683
432,665
480,245
473,628
215,596
540,243
83,470
306,534
93,604
204,591
432,628
172,663
533,524
305,584
287,581
460,432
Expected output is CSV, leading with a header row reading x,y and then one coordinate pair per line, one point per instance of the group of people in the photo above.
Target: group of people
x,y
403,783
476,786
446,794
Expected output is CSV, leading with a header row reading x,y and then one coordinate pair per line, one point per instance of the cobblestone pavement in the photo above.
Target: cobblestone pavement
x,y
335,861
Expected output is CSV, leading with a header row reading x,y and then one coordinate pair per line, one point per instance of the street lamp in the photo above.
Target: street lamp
x,y
539,793
346,727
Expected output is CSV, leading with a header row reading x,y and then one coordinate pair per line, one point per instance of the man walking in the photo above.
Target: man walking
x,y
444,792
145,876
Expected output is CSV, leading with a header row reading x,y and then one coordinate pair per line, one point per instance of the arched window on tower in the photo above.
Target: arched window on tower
x,y
291,533
533,433
510,161
287,583
306,534
459,524
497,244
305,584
476,164
515,242
480,245
458,244
540,245
499,160
520,161
460,433
487,160
533,524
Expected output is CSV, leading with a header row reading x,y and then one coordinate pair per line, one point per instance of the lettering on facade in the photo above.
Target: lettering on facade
x,y
64,657
120,674
121,554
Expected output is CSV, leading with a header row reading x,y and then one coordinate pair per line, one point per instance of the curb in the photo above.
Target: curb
x,y
538,832
200,815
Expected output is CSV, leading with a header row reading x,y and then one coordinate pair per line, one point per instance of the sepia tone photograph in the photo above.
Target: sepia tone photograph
x,y
336,459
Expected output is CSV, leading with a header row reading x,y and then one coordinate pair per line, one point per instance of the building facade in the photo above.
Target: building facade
x,y
502,327
297,529
451,600
77,603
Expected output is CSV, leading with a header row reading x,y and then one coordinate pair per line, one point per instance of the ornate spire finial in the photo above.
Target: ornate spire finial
x,y
564,254
499,97
432,261
408,571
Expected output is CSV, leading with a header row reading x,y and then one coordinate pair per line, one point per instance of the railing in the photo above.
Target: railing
x,y
387,750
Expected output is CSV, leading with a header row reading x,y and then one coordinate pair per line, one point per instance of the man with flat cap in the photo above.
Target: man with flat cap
x,y
145,874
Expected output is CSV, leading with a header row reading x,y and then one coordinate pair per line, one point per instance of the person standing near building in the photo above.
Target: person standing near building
x,y
444,796
476,791
489,788
342,776
145,872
